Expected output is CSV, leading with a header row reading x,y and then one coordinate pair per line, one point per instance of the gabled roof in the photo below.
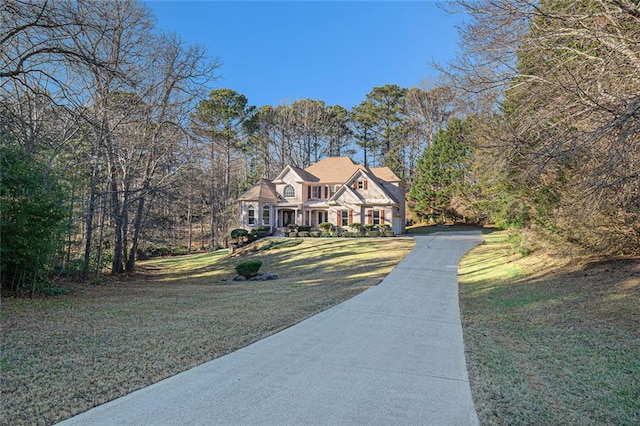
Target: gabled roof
x,y
303,175
264,191
385,173
333,169
339,169
348,186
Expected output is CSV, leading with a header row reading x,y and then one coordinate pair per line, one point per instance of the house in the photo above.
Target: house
x,y
334,190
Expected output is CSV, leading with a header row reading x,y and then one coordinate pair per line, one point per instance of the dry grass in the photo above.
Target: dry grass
x,y
550,341
63,355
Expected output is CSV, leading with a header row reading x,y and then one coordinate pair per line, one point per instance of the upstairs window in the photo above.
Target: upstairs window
x,y
360,184
289,192
315,192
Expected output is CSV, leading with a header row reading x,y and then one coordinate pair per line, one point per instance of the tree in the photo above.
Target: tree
x,y
33,209
363,120
383,114
427,111
562,77
339,133
311,121
219,123
442,172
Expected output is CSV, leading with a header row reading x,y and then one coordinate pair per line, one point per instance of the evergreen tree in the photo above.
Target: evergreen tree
x,y
32,220
442,172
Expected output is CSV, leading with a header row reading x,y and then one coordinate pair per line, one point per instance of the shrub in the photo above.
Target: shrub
x,y
328,234
239,234
258,233
355,226
303,234
32,202
325,226
293,234
249,268
314,234
304,228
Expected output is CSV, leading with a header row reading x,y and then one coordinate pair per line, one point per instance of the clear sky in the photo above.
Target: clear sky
x,y
276,52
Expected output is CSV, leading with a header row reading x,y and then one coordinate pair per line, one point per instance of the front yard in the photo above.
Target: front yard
x,y
550,342
66,354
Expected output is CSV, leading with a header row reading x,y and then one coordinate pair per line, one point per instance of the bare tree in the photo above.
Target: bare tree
x,y
566,76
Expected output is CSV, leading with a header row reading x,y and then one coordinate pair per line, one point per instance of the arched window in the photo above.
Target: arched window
x,y
289,192
266,211
251,213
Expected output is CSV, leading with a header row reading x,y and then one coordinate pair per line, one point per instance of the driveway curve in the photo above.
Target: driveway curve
x,y
393,355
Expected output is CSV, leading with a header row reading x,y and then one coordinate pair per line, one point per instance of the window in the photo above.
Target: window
x,y
344,218
315,192
360,184
266,211
376,217
289,192
332,190
251,213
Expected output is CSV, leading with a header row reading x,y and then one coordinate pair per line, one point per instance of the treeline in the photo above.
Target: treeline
x,y
552,90
113,145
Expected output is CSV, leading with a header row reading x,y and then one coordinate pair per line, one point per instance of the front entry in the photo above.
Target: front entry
x,y
288,217
323,217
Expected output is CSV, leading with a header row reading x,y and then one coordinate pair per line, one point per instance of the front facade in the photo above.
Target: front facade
x,y
334,190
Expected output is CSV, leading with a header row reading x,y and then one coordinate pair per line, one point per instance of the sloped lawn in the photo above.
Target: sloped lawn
x,y
66,354
550,342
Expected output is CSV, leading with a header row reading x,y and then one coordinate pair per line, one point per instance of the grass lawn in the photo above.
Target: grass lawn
x,y
550,342
63,355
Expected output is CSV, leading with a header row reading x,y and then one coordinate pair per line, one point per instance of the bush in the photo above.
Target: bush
x,y
315,234
304,228
292,234
355,227
33,207
325,226
327,234
240,234
258,233
304,234
249,268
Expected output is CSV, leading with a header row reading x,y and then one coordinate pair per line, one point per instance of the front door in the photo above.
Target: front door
x,y
322,217
287,217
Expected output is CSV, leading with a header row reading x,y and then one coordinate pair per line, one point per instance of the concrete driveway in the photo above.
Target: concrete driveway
x,y
393,355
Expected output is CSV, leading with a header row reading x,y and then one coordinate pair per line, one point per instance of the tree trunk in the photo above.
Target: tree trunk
x,y
137,226
89,221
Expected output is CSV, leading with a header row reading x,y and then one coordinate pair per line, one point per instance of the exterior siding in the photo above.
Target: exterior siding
x,y
360,196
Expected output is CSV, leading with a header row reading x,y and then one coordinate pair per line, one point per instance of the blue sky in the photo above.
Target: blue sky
x,y
278,52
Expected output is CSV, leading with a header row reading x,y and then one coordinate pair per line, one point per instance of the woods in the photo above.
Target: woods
x,y
115,143
119,135
557,110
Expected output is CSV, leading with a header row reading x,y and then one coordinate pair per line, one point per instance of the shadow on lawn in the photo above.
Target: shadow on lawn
x,y
556,347
425,229
320,256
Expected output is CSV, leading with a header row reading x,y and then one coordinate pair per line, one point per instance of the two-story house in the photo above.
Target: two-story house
x,y
334,190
